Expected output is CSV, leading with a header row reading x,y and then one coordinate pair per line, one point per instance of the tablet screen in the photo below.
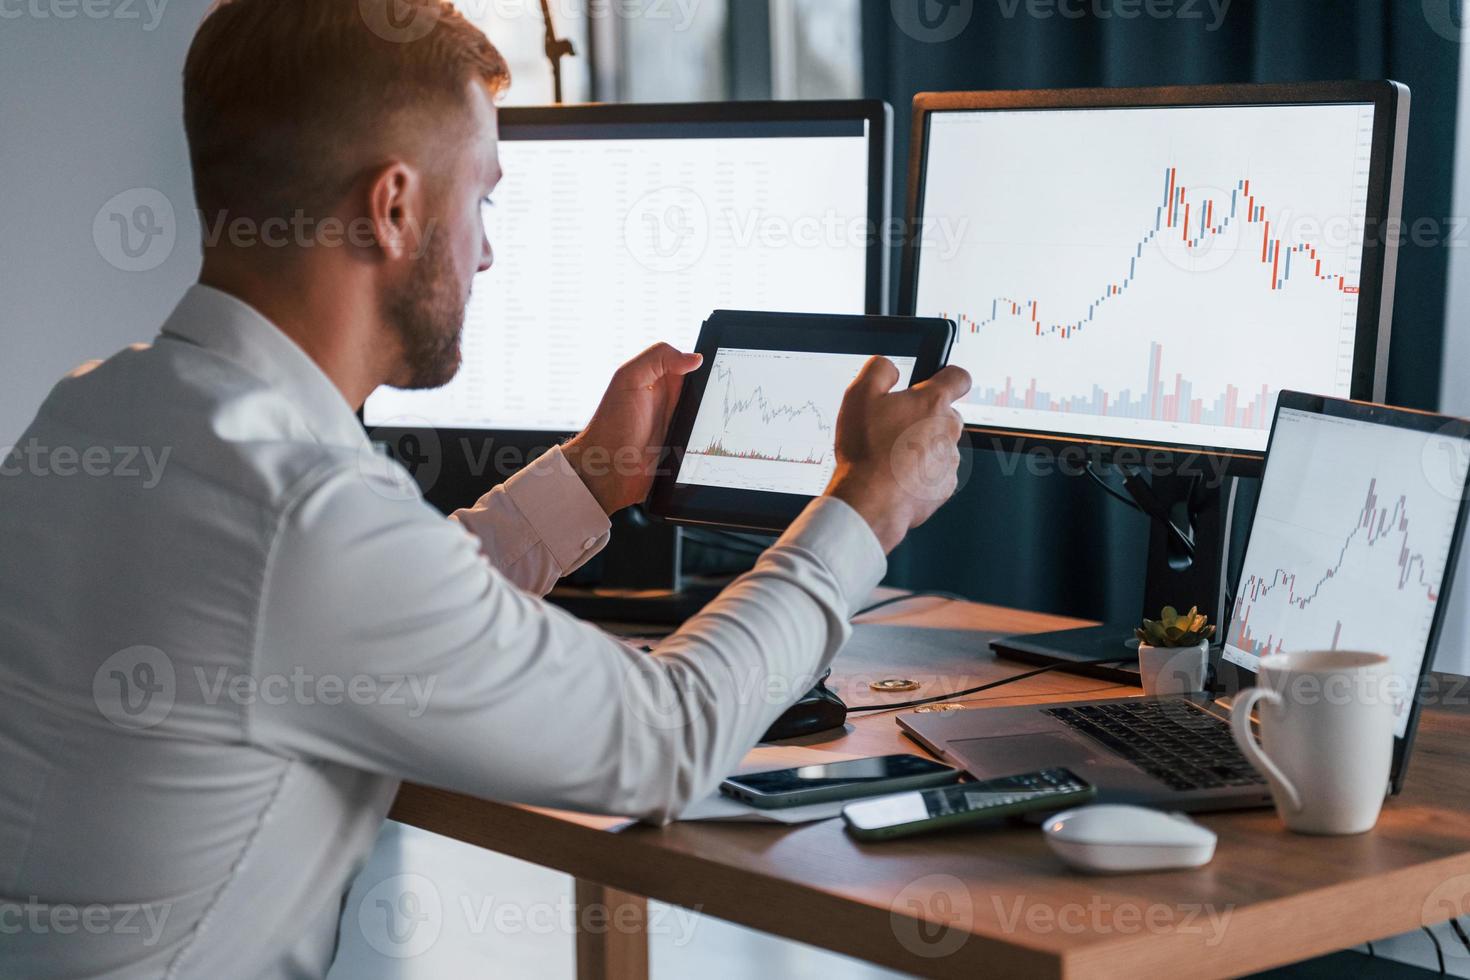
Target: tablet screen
x,y
768,419
753,437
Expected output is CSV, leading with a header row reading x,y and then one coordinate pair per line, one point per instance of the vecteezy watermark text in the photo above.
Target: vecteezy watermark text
x,y
138,687
1184,10
85,9
299,687
35,458
302,230
1099,916
36,917
137,229
404,915
403,22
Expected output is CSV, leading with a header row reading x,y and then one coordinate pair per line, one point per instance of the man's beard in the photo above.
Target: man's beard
x,y
428,315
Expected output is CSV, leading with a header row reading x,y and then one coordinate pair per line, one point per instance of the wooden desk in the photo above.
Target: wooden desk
x,y
996,902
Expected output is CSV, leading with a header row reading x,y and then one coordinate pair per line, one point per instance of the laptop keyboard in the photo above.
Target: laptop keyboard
x,y
1173,741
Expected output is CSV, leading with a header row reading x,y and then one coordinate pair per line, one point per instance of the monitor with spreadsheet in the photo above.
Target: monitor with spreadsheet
x,y
1151,267
616,227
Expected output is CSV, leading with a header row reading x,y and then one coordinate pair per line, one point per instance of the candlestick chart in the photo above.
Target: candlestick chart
x,y
1165,287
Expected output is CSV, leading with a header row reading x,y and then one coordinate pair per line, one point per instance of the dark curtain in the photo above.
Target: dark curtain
x,y
1056,543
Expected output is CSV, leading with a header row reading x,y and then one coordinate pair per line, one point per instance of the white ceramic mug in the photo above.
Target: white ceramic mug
x,y
1173,670
1327,731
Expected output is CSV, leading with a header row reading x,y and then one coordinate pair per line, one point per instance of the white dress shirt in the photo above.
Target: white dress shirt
x,y
228,628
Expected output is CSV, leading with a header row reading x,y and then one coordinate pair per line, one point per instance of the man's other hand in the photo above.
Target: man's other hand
x,y
618,451
898,451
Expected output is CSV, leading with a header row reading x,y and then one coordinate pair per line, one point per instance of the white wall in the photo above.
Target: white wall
x,y
91,109
1454,646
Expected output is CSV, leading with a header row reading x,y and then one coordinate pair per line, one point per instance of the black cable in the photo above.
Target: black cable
x,y
985,687
893,600
1122,497
1185,541
1460,932
1370,949
1438,949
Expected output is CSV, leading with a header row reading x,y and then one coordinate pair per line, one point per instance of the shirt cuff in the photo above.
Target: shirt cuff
x,y
559,507
843,541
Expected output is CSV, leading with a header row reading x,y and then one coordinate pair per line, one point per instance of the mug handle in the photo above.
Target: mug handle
x,y
1240,727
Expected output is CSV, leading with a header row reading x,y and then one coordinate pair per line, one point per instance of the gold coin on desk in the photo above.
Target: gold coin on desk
x,y
890,684
926,708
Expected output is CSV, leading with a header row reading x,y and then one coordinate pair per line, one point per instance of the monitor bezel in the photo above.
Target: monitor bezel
x,y
1385,181
460,481
1402,418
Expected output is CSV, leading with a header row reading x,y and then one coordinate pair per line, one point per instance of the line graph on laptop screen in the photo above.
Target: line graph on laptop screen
x,y
1165,284
1351,537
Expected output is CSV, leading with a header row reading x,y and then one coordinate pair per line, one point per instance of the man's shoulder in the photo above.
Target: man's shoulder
x,y
213,422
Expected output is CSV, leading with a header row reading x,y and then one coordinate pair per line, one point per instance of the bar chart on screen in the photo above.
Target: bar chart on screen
x,y
767,419
1349,544
1205,259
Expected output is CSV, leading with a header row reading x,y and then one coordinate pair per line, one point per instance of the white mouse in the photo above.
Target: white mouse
x,y
1109,838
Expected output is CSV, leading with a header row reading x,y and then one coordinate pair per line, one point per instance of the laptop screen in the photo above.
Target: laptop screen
x,y
1352,540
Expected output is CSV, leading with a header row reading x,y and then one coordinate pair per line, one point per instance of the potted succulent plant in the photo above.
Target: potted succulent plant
x,y
1174,651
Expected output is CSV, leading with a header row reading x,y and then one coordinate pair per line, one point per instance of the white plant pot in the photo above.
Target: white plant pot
x,y
1173,670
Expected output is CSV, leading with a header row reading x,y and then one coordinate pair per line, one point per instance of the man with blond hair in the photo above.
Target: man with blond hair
x,y
210,687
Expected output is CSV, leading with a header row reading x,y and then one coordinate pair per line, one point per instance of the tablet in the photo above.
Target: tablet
x,y
752,438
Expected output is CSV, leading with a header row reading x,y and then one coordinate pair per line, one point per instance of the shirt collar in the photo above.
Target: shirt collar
x,y
228,326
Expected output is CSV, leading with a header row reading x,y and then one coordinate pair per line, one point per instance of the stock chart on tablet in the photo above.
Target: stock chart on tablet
x,y
768,419
1155,274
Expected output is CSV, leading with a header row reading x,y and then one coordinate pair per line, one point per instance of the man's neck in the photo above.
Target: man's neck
x,y
324,316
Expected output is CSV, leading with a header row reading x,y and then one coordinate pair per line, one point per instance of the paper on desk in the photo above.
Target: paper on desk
x,y
718,806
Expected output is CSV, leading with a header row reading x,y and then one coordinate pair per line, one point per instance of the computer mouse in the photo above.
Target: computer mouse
x,y
1109,838
817,711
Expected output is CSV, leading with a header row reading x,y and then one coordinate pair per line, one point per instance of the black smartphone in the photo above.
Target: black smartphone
x,y
838,780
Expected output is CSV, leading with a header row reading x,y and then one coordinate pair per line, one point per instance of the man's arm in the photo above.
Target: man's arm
x,y
551,517
439,670
445,673
539,525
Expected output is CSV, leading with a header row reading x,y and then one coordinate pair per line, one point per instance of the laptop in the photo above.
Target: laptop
x,y
1352,547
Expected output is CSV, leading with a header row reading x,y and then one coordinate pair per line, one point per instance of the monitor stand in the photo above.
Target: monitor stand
x,y
641,580
1174,578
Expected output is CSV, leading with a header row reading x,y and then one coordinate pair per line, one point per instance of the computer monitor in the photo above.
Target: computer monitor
x,y
1150,267
1137,274
618,226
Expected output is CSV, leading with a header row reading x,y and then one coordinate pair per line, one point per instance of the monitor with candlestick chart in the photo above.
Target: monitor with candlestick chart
x,y
1154,273
1353,536
1141,273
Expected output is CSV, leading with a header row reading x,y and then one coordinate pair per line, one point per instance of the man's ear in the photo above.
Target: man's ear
x,y
395,208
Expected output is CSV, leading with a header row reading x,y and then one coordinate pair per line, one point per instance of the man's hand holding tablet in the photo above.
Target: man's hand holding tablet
x,y
787,407
898,451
